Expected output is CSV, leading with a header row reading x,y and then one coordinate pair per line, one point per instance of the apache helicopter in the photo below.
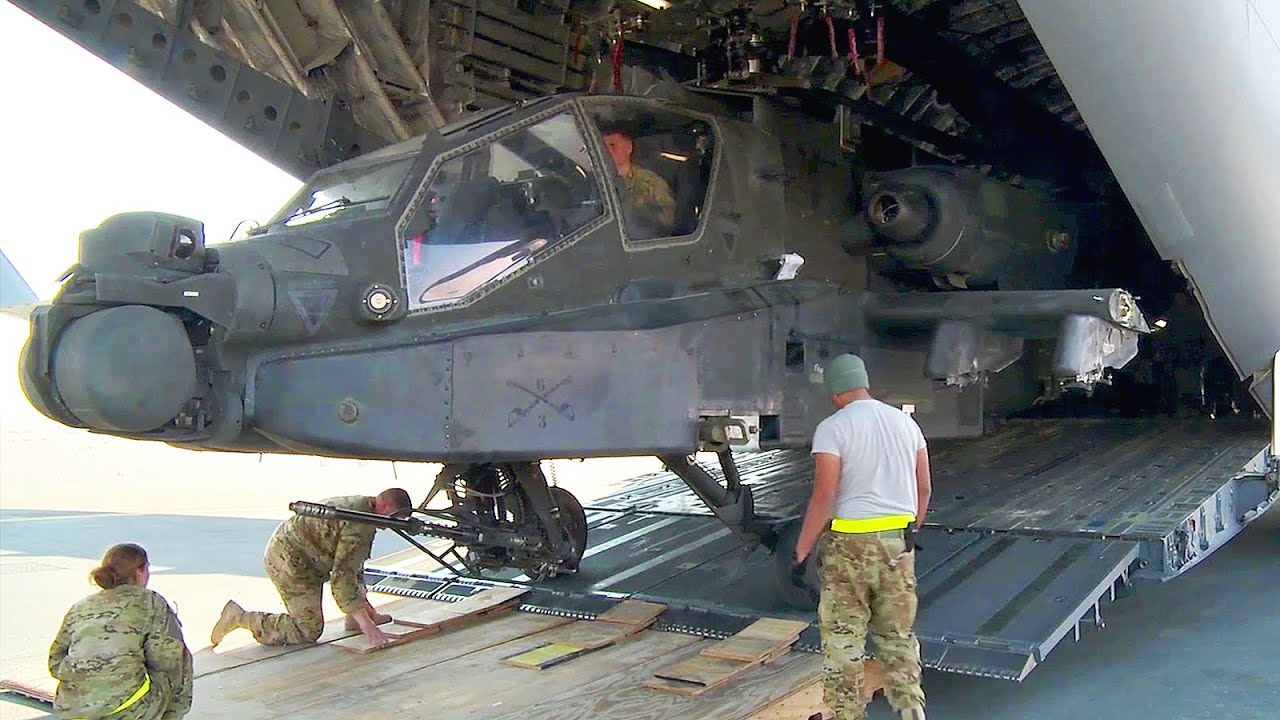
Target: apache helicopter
x,y
585,275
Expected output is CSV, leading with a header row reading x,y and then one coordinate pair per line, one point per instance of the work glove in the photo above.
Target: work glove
x,y
798,579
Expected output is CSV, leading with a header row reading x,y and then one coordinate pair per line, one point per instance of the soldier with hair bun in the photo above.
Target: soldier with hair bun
x,y
120,653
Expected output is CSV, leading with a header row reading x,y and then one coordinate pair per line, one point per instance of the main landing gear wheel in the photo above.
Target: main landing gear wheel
x,y
800,597
574,521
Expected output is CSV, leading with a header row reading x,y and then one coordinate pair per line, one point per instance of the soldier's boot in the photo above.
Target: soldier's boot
x,y
915,713
232,617
378,619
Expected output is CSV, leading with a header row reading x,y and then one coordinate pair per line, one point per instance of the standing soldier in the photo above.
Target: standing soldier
x,y
871,485
120,653
302,554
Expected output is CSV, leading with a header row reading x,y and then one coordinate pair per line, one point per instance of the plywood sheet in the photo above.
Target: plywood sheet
x,y
398,632
742,649
321,681
477,686
42,690
544,656
773,629
632,612
764,640
699,674
620,693
430,613
239,648
592,635
807,700
701,669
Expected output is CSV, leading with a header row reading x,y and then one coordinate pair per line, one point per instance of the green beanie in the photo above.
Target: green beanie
x,y
844,373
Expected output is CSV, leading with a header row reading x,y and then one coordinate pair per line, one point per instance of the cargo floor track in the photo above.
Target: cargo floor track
x,y
1032,529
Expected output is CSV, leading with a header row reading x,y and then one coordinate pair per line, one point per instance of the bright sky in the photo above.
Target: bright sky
x,y
83,141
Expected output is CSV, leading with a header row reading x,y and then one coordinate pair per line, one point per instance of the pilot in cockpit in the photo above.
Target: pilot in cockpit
x,y
652,205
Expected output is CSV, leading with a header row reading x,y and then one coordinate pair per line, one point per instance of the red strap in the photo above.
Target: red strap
x,y
617,63
831,35
795,28
853,52
879,39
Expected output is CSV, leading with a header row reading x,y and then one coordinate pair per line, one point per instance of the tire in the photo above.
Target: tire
x,y
574,520
796,596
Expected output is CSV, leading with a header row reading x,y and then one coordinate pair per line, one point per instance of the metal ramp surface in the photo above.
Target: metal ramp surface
x,y
1030,532
989,605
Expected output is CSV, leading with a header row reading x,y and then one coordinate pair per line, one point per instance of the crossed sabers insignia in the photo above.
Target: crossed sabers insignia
x,y
540,397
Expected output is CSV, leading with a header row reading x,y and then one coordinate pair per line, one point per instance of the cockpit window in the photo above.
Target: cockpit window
x,y
661,165
487,212
346,192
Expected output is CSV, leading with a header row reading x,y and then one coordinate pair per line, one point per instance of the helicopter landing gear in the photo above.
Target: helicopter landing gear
x,y
506,516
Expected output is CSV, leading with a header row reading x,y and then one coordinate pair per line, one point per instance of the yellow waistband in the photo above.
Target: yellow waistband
x,y
132,699
870,525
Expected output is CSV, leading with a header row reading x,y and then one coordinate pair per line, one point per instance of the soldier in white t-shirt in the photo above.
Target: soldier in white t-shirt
x,y
871,483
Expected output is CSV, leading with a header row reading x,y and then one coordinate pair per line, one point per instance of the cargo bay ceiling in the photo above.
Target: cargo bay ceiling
x,y
307,83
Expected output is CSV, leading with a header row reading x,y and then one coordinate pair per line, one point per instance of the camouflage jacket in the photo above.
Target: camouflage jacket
x,y
315,550
648,193
107,644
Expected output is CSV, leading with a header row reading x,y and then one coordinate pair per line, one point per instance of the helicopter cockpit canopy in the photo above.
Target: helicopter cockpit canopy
x,y
484,212
351,189
662,161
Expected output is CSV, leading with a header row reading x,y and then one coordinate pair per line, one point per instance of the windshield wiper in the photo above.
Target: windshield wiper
x,y
342,202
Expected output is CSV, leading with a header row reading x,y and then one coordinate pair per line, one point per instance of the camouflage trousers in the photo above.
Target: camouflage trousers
x,y
868,585
303,618
162,701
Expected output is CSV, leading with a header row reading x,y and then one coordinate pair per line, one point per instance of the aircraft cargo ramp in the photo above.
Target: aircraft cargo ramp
x,y
1032,529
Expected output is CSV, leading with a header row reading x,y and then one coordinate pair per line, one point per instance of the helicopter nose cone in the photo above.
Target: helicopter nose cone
x,y
127,369
901,215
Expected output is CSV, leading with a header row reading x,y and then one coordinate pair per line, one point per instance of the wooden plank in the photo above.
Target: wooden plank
x,y
430,613
632,612
566,643
40,690
486,599
477,686
619,694
241,649
544,656
773,629
742,649
803,703
807,700
398,633
702,670
700,674
764,640
590,635
321,677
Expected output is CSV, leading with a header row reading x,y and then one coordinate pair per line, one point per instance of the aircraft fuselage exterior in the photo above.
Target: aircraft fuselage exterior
x,y
491,292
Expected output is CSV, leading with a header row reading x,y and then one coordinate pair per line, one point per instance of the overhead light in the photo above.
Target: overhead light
x,y
674,156
655,4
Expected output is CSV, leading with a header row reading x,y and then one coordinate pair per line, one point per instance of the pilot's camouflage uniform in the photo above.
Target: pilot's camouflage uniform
x,y
120,654
302,554
648,192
